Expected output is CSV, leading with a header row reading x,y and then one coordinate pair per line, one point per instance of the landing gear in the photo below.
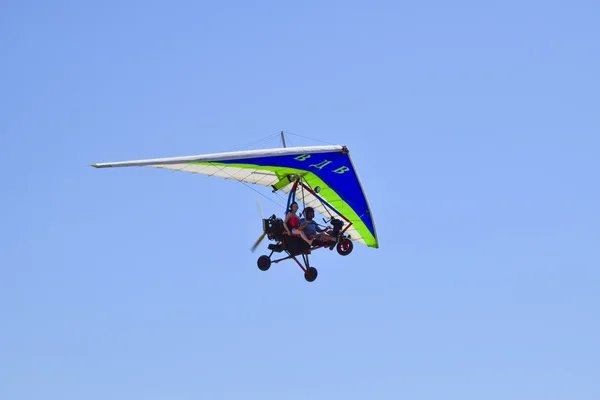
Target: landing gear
x,y
311,274
264,263
344,247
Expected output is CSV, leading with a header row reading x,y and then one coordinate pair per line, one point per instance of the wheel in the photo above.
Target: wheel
x,y
311,274
344,247
264,263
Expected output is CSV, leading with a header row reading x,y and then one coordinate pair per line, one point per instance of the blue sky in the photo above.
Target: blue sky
x,y
473,127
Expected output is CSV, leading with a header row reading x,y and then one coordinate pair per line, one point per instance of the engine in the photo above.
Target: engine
x,y
273,227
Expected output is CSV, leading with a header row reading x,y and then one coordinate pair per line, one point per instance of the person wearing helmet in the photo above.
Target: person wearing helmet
x,y
311,229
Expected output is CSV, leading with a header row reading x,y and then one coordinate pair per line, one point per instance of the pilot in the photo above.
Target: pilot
x,y
311,229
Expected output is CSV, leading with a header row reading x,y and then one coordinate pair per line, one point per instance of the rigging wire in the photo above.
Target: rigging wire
x,y
222,169
263,195
291,144
309,138
259,142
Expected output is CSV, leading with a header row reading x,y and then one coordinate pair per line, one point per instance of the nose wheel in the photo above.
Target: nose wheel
x,y
344,247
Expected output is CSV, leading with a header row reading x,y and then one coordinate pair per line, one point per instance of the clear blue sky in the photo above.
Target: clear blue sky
x,y
473,125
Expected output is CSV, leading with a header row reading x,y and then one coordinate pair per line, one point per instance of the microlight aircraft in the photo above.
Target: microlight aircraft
x,y
323,178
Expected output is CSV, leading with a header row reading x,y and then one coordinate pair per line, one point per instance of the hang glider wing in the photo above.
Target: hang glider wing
x,y
328,167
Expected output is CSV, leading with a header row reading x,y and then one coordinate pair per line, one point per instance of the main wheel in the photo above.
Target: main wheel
x,y
311,274
264,263
344,247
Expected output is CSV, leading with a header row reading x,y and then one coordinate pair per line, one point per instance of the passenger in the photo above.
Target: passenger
x,y
292,221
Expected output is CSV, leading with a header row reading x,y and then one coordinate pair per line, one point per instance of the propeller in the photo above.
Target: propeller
x,y
260,239
259,208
